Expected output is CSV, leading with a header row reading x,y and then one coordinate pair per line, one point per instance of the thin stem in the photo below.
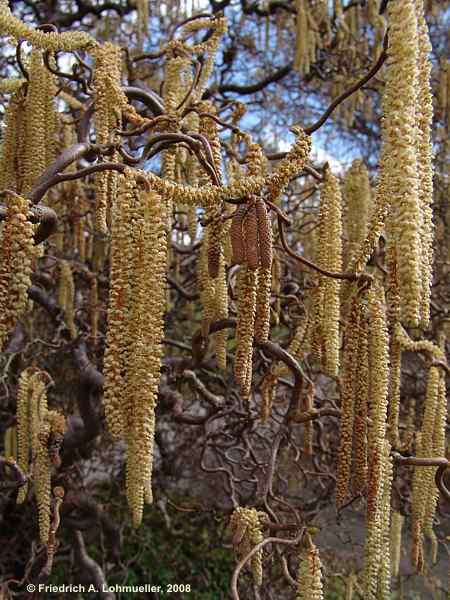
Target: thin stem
x,y
241,564
351,90
311,265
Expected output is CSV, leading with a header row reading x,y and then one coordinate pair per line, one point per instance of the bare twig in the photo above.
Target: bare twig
x,y
241,564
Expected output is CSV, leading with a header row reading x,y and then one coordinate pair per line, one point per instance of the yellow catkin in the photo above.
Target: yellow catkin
x,y
377,445
176,81
268,389
262,316
23,428
350,586
357,198
309,574
348,393
36,428
108,105
399,153
396,541
394,393
132,362
361,409
10,86
439,449
245,526
117,312
375,225
419,346
221,312
207,285
42,479
301,39
377,547
330,258
51,114
16,254
384,573
424,120
215,242
317,337
10,443
423,478
246,297
291,165
12,150
67,41
212,272
379,370
265,243
40,120
208,49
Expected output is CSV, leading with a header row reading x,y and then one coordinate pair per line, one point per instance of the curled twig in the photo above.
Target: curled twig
x,y
440,483
20,477
311,265
351,90
241,564
91,567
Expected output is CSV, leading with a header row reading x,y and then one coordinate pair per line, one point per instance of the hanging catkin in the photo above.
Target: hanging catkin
x,y
291,165
37,429
36,106
246,294
424,120
23,428
423,490
301,62
439,449
133,353
309,574
264,228
379,370
384,572
251,239
221,312
245,525
400,155
330,259
108,108
12,149
16,253
396,541
361,408
348,394
356,193
117,314
237,235
377,546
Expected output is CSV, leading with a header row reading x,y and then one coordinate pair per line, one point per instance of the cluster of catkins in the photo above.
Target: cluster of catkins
x,y
136,209
135,330
40,433
374,334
